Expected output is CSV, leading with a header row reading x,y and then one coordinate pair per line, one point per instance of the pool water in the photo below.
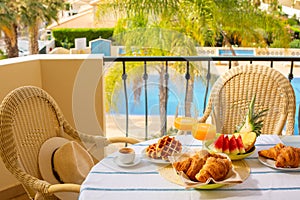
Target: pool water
x,y
296,85
176,94
238,52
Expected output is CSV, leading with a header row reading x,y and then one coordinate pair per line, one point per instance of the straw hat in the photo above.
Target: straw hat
x,y
64,161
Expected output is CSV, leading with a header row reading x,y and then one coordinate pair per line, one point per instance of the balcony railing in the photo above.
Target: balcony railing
x,y
145,60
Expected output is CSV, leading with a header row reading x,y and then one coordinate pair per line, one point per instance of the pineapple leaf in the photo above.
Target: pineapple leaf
x,y
252,121
260,114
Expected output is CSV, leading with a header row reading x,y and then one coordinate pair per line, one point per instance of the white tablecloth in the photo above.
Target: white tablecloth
x,y
108,181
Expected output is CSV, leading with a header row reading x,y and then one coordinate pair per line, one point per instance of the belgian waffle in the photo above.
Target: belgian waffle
x,y
151,151
166,146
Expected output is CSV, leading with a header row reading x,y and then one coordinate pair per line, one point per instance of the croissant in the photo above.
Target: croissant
x,y
203,153
196,164
216,168
183,165
273,152
288,157
298,151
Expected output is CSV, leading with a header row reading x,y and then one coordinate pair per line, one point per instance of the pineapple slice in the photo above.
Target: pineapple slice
x,y
248,138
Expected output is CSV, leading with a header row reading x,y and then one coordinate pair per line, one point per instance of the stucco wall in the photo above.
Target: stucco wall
x,y
15,73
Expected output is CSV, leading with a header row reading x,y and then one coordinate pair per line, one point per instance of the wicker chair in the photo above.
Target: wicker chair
x,y
28,117
233,91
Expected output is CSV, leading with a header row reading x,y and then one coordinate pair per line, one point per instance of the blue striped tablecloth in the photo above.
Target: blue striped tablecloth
x,y
107,181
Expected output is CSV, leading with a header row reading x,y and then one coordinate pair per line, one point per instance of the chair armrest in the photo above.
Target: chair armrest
x,y
123,140
103,141
86,138
67,187
207,112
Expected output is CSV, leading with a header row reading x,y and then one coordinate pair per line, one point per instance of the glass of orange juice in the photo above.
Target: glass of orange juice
x,y
185,116
203,131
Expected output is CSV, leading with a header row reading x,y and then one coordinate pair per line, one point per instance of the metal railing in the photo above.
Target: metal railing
x,y
209,59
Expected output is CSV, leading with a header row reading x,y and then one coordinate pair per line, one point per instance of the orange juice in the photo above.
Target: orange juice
x,y
203,131
184,123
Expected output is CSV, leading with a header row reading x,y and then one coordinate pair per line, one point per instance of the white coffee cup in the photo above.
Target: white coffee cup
x,y
126,155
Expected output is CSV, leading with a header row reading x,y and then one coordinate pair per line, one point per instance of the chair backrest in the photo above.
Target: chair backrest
x,y
28,117
233,91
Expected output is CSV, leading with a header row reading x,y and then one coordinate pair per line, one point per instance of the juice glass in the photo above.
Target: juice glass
x,y
185,116
184,123
203,131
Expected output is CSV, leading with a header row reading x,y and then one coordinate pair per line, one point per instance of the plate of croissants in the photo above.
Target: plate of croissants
x,y
281,157
203,170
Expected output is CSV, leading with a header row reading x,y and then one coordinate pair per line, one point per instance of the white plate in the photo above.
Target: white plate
x,y
157,161
271,163
136,161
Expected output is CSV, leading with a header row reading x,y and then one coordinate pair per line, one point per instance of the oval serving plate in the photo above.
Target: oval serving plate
x,y
168,172
231,156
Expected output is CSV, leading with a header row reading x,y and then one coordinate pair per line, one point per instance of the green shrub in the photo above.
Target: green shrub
x,y
293,21
65,37
276,44
295,44
2,55
295,28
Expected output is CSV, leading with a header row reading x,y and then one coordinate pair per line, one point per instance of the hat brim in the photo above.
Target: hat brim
x,y
45,164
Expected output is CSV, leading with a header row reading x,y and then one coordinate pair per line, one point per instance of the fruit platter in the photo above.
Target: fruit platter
x,y
241,143
236,146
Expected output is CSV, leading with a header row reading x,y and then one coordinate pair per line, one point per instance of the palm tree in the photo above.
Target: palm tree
x,y
33,12
148,42
29,13
250,25
201,20
153,41
8,24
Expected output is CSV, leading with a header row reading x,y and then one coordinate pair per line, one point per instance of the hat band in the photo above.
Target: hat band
x,y
53,169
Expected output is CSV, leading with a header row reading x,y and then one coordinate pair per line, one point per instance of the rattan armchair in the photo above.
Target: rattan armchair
x,y
233,91
28,117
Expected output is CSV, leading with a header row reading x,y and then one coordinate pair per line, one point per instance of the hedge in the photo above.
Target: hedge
x,y
295,44
66,36
295,28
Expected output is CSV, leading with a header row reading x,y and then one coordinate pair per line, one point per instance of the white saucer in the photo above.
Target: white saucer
x,y
136,161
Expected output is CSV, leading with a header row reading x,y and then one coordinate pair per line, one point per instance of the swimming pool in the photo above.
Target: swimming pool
x,y
296,85
176,94
238,52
